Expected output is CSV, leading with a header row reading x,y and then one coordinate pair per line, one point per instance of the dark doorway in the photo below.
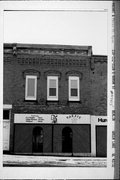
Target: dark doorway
x,y
37,139
101,141
67,140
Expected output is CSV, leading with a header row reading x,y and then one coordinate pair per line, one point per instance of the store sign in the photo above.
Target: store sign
x,y
99,120
34,118
73,116
102,120
52,118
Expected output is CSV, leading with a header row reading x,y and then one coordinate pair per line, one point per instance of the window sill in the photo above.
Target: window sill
x,y
36,101
52,102
69,101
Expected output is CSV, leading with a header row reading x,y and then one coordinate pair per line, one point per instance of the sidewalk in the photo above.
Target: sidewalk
x,y
52,161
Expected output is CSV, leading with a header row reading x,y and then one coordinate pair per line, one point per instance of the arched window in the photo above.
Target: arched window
x,y
37,144
67,140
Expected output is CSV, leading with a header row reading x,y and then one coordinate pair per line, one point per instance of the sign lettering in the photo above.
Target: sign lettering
x,y
102,120
34,118
73,116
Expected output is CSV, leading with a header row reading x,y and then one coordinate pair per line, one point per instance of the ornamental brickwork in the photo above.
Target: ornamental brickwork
x,y
64,61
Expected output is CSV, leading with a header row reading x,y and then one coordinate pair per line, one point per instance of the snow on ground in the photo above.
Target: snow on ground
x,y
49,161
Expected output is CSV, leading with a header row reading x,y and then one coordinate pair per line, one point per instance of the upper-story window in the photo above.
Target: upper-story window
x,y
31,88
74,92
52,88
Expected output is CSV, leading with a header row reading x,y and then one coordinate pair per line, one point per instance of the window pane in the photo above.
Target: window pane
x,y
52,92
52,83
74,84
74,92
5,114
31,87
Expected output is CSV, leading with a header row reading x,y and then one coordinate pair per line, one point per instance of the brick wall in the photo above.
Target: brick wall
x,y
99,87
14,89
93,83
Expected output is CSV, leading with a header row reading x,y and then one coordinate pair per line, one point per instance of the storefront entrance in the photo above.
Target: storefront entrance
x,y
101,141
67,140
37,140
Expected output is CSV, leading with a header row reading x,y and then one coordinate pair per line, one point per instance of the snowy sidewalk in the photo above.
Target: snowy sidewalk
x,y
53,161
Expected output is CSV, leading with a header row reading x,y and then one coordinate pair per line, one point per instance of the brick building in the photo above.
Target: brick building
x,y
55,100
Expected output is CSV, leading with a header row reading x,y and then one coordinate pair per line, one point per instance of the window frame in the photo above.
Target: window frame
x,y
74,98
52,98
26,88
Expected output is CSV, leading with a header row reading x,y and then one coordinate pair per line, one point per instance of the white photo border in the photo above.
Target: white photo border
x,y
67,172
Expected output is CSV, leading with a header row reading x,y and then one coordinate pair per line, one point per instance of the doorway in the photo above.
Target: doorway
x,y
37,144
101,141
67,140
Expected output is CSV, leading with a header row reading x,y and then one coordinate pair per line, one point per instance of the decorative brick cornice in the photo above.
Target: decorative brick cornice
x,y
50,61
51,55
47,60
46,49
99,58
8,59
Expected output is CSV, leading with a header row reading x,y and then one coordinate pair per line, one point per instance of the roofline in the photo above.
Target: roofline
x,y
34,46
53,46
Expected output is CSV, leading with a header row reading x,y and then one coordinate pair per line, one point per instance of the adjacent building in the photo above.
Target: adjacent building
x,y
55,100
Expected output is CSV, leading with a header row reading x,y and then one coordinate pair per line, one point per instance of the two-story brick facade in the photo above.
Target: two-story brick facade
x,y
55,100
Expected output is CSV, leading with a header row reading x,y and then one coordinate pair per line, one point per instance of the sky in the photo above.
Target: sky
x,y
58,27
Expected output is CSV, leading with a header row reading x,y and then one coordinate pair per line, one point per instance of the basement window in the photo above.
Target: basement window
x,y
31,88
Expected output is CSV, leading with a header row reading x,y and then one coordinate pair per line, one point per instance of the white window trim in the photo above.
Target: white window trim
x,y
7,106
26,88
52,98
74,98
